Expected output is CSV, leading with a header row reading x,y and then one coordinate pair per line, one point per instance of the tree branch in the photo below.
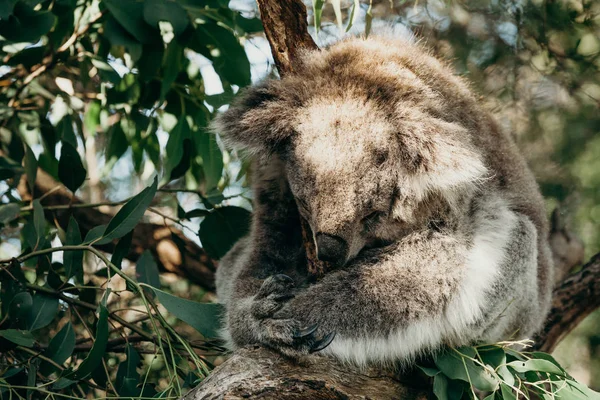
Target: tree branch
x,y
286,28
259,373
173,251
573,300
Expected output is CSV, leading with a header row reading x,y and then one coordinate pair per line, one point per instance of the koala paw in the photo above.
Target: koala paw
x,y
285,334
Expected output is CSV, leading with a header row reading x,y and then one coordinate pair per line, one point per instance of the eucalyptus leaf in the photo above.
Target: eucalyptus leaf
x,y
166,10
536,365
9,212
129,215
222,228
60,348
146,270
21,338
73,260
121,250
204,317
31,166
455,364
42,312
70,168
94,357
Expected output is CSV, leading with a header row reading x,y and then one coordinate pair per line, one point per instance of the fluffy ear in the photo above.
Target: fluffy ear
x,y
257,121
438,156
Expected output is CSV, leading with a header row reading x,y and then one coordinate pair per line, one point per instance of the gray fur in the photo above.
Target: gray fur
x,y
377,144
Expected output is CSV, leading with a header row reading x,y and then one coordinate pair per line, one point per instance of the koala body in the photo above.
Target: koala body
x,y
428,212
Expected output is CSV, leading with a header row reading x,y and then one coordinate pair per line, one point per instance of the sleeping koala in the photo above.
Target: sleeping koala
x,y
430,216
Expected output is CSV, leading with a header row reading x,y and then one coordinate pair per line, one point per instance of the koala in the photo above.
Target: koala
x,y
430,218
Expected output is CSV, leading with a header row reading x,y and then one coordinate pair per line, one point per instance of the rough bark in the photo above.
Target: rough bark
x,y
173,251
286,29
258,373
573,300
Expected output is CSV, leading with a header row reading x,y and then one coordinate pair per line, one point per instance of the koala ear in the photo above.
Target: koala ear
x,y
438,156
257,121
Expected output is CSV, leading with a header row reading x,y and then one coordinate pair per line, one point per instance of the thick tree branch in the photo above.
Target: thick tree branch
x,y
573,300
253,373
287,31
173,251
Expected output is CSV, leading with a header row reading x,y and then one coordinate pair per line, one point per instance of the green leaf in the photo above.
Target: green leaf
x,y
547,357
429,371
456,366
204,317
39,221
9,168
231,63
196,213
368,20
536,365
28,57
164,10
6,8
26,25
31,166
60,348
43,310
94,357
249,25
117,142
353,15
495,357
21,338
127,375
65,128
70,168
118,36
507,392
63,383
222,228
128,216
175,148
171,67
129,13
318,12
94,234
9,212
121,250
73,260
146,270
440,387
20,307
212,158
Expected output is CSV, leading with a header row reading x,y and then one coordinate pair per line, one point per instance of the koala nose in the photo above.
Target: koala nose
x,y
331,248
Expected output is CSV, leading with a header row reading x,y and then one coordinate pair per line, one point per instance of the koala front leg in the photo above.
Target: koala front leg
x,y
258,276
429,289
374,297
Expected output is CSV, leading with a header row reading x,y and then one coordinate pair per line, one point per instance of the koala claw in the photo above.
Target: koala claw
x,y
302,333
323,343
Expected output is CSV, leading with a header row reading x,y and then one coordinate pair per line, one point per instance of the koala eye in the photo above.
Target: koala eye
x,y
372,217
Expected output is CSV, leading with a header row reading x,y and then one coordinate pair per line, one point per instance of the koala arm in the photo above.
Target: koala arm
x,y
427,290
273,247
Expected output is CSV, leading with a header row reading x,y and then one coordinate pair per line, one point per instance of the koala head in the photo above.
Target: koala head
x,y
368,149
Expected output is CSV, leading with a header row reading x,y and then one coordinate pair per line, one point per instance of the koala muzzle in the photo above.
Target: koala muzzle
x,y
331,248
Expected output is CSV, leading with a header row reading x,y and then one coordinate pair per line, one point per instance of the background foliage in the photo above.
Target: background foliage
x,y
112,99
